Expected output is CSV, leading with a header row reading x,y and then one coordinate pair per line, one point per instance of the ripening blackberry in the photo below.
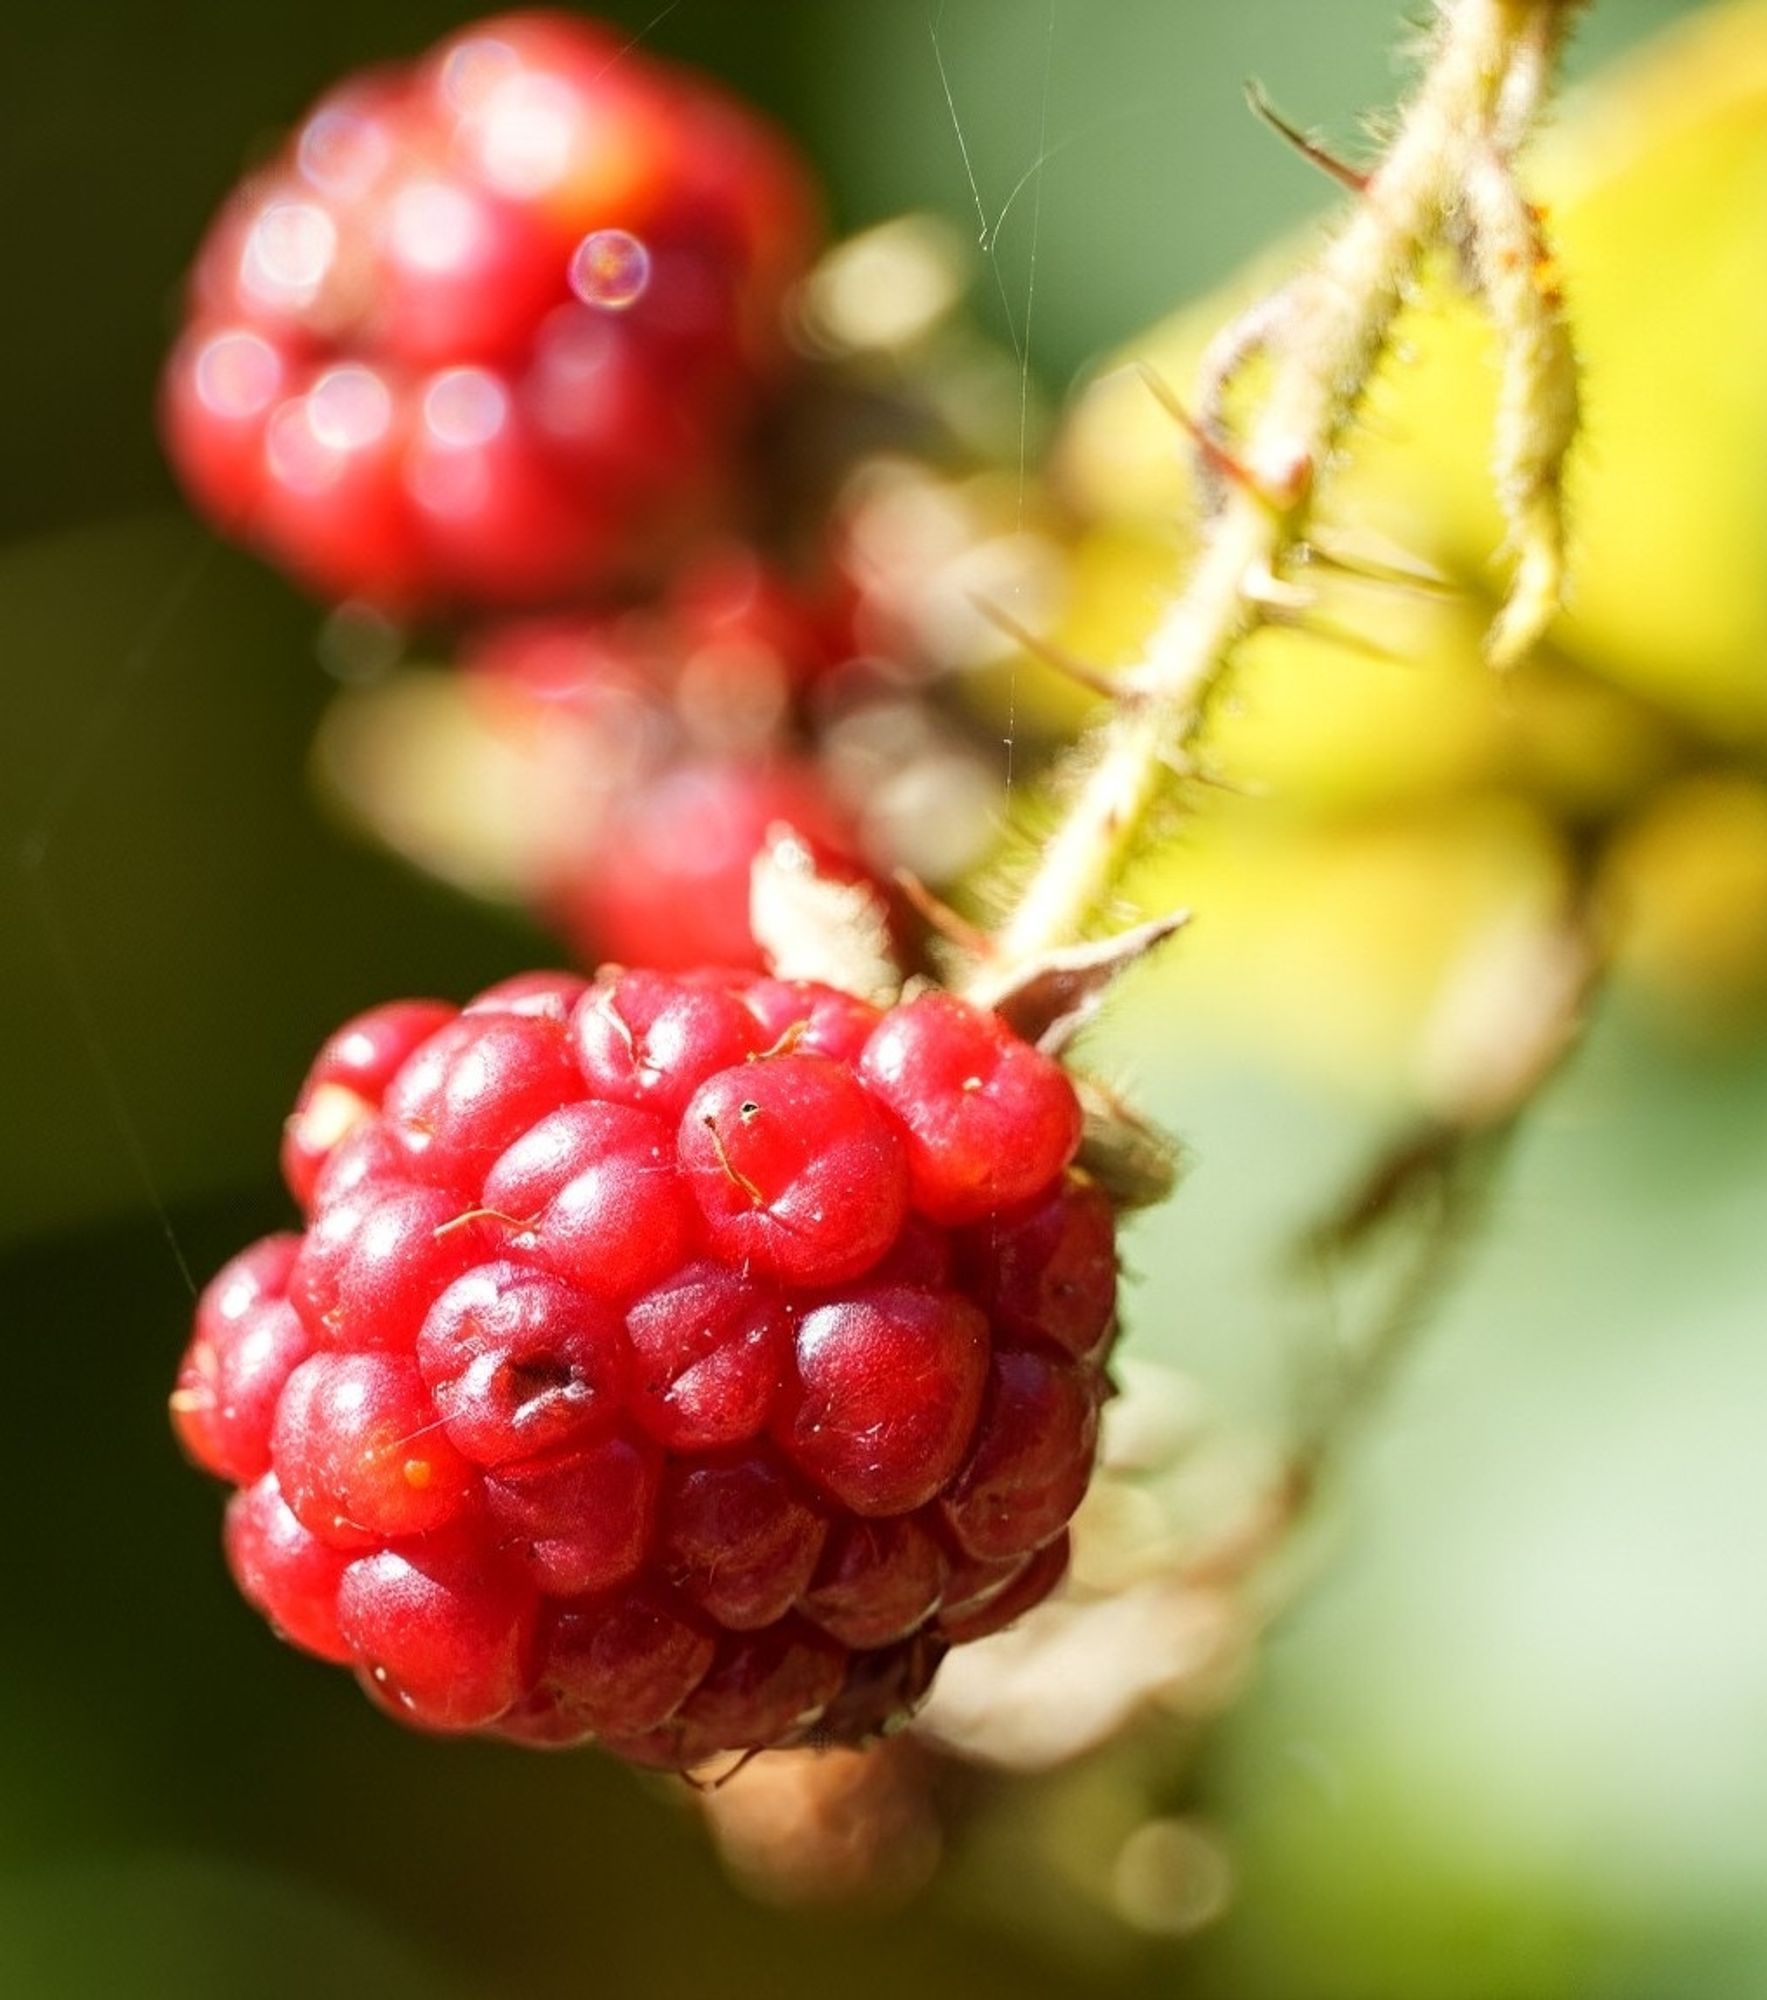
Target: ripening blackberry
x,y
667,745
493,326
683,1363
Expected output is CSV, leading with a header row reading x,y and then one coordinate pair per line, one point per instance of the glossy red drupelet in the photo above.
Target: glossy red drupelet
x,y
491,326
683,1363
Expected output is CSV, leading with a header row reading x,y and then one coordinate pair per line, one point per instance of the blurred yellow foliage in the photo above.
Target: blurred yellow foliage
x,y
1406,792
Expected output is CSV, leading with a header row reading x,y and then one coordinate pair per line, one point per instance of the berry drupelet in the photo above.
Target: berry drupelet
x,y
683,1363
492,328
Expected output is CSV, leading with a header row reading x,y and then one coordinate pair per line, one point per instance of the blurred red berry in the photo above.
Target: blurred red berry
x,y
666,880
490,327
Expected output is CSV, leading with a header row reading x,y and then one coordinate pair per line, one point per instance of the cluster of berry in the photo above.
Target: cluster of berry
x,y
493,329
686,1363
683,1361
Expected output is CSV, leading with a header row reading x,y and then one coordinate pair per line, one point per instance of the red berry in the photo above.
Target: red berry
x,y
519,1363
885,1394
288,1573
731,612
763,1688
922,1257
1032,1457
798,1017
969,1582
990,1120
257,1273
1049,1268
614,1389
877,1581
582,1520
360,1454
1036,1576
797,1171
221,384
739,1538
590,1190
667,882
375,1259
229,1385
373,1158
474,1088
648,1040
242,1349
660,731
546,996
444,1630
710,1348
348,1079
623,1663
330,503
495,326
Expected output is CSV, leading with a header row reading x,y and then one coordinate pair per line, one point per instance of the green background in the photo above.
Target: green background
x,y
1515,1745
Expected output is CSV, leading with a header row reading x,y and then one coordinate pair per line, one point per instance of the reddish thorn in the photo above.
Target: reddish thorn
x,y
940,915
1052,655
1309,149
1216,456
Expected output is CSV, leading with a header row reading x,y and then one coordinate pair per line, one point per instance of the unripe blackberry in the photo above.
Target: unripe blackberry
x,y
683,1363
493,325
666,880
667,739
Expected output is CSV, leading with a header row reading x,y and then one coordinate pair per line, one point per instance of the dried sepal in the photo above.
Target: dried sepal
x,y
1135,1163
818,927
1310,150
1050,998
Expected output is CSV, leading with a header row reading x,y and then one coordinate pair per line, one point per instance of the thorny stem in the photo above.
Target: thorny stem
x,y
1446,171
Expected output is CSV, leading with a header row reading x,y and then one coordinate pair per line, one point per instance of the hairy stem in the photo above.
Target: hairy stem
x,y
1491,66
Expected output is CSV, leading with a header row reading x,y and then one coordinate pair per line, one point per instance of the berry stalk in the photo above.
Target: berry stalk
x,y
1324,334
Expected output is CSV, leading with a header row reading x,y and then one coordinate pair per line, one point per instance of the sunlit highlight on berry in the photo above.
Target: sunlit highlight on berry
x,y
433,227
288,253
463,407
348,408
343,153
611,269
238,374
528,131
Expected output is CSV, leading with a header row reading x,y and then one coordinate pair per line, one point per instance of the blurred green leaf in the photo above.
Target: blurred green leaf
x,y
201,1928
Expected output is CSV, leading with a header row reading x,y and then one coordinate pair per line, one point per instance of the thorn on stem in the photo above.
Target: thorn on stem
x,y
1189,772
1316,627
1310,150
1065,663
940,915
1280,487
1276,594
1219,460
1410,574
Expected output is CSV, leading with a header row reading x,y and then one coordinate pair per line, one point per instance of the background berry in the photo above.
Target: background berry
x,y
492,328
